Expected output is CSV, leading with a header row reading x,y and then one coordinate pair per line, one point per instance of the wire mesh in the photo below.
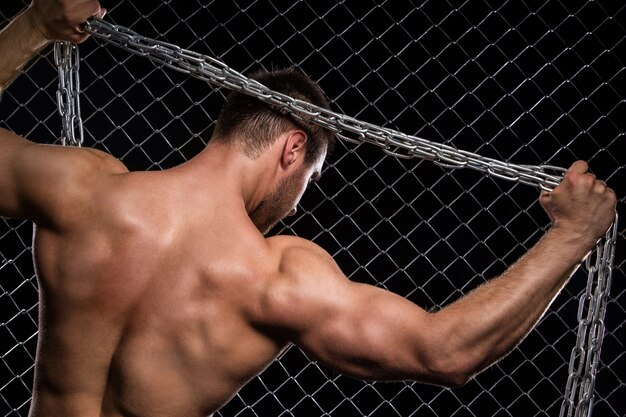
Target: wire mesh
x,y
531,83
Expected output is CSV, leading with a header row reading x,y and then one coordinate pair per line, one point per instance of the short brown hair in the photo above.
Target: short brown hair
x,y
257,124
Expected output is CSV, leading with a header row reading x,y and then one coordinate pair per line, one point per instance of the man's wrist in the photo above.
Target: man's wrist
x,y
575,244
35,27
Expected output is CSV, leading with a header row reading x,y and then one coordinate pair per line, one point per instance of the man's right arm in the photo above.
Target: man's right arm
x,y
370,333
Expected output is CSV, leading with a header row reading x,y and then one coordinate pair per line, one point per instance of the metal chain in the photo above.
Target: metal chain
x,y
347,128
585,356
68,98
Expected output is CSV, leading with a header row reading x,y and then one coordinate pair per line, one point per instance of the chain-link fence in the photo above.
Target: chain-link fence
x,y
530,83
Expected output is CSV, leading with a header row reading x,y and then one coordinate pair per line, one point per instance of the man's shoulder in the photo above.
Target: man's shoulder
x,y
287,242
105,162
307,277
290,247
299,258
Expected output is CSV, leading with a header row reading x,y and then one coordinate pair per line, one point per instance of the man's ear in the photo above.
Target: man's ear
x,y
294,148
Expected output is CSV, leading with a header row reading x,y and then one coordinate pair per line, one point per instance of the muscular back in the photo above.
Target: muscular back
x,y
161,298
147,302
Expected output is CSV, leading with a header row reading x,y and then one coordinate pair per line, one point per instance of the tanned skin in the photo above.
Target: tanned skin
x,y
160,296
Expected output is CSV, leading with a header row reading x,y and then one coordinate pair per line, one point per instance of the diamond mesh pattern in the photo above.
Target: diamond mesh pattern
x,y
525,82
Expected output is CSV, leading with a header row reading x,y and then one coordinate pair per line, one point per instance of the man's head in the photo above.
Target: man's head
x,y
256,125
283,198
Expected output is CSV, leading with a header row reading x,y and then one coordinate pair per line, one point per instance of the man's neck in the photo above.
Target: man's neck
x,y
230,172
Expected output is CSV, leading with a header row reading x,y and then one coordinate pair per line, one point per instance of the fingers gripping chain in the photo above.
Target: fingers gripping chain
x,y
584,359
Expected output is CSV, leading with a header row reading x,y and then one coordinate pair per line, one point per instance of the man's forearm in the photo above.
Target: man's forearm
x,y
487,323
19,41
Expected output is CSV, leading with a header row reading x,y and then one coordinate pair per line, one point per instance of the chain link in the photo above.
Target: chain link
x,y
392,142
585,356
68,98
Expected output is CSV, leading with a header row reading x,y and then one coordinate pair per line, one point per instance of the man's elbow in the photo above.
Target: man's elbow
x,y
449,370
456,380
452,377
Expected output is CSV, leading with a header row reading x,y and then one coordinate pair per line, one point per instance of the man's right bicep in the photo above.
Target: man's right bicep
x,y
372,334
356,329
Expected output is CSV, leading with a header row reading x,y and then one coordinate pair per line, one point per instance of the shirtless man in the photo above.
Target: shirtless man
x,y
160,295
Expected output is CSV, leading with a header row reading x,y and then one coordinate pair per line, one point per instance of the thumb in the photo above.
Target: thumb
x,y
578,167
100,14
544,198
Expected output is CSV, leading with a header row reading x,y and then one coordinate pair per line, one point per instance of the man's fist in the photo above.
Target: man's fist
x,y
581,204
61,19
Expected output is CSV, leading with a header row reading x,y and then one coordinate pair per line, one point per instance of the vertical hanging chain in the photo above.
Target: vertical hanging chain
x,y
585,356
68,98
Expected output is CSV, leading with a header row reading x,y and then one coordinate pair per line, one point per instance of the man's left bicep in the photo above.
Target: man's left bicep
x,y
45,183
11,146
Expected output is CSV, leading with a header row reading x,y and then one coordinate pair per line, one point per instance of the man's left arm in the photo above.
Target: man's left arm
x,y
38,25
39,182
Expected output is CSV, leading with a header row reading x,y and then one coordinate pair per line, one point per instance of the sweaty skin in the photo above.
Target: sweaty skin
x,y
159,295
